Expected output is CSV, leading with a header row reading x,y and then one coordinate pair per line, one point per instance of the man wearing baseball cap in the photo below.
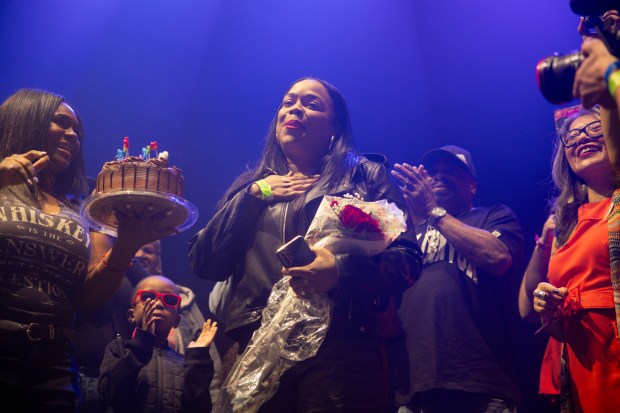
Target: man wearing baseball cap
x,y
456,315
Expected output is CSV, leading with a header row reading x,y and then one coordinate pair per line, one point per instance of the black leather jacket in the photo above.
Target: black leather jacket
x,y
241,240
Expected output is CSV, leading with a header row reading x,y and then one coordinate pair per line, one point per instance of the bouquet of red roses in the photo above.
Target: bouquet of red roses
x,y
293,328
349,225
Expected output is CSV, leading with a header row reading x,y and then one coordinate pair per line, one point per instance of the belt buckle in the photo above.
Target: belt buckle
x,y
29,331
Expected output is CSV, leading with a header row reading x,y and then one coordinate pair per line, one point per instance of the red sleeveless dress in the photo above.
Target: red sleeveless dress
x,y
590,330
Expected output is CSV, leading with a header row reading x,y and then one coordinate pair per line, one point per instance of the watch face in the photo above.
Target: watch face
x,y
436,214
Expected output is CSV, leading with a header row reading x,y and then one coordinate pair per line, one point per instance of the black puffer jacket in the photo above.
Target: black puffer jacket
x,y
241,240
138,378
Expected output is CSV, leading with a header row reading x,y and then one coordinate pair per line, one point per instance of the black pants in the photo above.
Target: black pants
x,y
449,401
36,377
348,374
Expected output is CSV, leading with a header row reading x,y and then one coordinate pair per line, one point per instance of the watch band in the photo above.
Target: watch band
x,y
436,214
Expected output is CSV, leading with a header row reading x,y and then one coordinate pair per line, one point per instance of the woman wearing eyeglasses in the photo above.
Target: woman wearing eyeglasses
x,y
144,374
575,302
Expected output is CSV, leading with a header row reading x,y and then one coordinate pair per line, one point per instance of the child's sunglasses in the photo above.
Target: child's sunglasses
x,y
168,299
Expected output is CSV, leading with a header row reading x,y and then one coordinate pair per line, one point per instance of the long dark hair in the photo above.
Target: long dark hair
x,y
25,119
335,165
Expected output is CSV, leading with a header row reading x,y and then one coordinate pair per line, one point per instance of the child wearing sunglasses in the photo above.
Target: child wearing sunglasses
x,y
144,374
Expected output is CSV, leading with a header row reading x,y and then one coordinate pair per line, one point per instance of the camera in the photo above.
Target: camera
x,y
555,74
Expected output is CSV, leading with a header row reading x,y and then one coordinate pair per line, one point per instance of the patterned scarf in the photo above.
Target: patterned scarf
x,y
566,399
613,224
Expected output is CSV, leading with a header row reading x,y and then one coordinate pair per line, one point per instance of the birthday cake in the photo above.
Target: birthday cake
x,y
138,174
140,184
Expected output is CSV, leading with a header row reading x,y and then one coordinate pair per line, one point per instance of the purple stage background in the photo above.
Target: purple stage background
x,y
203,79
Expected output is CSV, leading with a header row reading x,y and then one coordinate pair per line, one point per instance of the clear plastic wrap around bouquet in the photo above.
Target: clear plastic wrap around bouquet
x,y
293,328
348,225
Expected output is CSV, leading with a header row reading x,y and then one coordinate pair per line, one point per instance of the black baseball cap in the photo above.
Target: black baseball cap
x,y
453,152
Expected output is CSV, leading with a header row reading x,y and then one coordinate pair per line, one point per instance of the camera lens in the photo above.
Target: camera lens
x,y
555,76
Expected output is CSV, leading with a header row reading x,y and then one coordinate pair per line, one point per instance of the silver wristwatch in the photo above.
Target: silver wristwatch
x,y
436,214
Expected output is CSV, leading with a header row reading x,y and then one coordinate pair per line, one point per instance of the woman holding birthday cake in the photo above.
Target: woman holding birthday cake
x,y
309,154
50,261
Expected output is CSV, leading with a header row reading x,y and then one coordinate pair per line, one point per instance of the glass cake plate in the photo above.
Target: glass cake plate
x,y
98,209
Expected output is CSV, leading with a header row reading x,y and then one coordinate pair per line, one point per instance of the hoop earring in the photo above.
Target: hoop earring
x,y
331,144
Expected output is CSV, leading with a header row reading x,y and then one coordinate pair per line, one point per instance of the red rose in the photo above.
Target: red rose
x,y
357,220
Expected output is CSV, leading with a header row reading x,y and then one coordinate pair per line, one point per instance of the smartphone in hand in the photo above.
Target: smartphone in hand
x,y
295,253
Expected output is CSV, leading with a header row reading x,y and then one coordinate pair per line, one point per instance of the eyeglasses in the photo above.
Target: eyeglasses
x,y
592,130
168,299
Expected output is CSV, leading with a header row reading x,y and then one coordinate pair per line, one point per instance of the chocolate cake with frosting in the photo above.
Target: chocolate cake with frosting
x,y
138,174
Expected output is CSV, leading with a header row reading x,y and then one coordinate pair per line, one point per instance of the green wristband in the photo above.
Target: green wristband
x,y
614,82
265,189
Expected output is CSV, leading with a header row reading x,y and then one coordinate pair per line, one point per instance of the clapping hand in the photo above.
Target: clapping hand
x,y
417,188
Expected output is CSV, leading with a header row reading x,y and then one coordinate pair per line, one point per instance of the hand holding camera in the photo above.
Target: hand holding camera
x,y
556,74
591,79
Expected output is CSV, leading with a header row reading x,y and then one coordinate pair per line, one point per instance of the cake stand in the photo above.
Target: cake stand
x,y
98,209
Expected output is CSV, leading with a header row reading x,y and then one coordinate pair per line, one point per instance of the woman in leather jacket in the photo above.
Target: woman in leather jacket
x,y
309,153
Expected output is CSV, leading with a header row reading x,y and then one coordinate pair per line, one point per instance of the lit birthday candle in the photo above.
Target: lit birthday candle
x,y
126,145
